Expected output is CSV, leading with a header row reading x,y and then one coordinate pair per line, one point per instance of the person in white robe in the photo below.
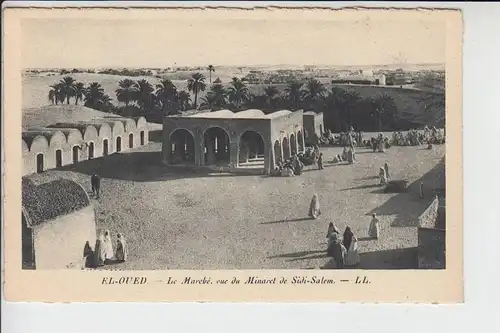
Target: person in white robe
x,y
350,156
344,154
314,208
373,231
352,257
386,168
121,248
108,245
99,251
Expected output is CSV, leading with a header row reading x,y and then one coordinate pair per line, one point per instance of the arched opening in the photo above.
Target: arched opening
x,y
131,140
251,149
142,138
277,151
75,154
105,147
293,144
118,144
91,150
286,149
28,246
300,140
39,163
182,147
58,158
216,146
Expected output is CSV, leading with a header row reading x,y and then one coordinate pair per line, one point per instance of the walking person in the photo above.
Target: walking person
x,y
336,250
347,237
99,251
108,246
352,257
373,231
320,161
121,248
314,208
95,181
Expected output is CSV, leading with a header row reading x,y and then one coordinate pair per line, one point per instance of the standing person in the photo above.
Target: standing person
x,y
383,176
347,238
108,245
99,251
337,250
88,254
331,229
352,257
320,161
350,156
314,209
121,248
373,231
95,181
386,168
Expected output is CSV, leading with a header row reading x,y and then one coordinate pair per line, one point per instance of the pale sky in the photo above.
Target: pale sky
x,y
129,42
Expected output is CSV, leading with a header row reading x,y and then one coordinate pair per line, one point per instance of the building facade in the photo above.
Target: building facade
x,y
314,127
246,140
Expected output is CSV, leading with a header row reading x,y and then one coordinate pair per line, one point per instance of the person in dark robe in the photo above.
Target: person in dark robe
x,y
337,250
95,181
320,161
88,254
121,253
347,238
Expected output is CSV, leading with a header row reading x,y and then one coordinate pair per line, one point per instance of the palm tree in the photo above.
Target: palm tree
x,y
383,109
196,84
184,100
56,94
144,94
208,101
79,92
344,101
219,95
166,94
352,99
126,92
67,87
434,101
238,92
294,93
210,70
93,94
270,92
315,91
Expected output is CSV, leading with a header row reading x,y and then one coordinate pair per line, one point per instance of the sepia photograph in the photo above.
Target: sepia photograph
x,y
200,141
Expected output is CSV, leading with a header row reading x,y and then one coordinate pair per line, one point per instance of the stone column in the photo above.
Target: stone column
x,y
198,150
210,145
233,154
165,149
268,160
303,141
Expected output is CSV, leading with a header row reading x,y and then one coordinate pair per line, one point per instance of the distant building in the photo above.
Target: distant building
x,y
361,79
57,219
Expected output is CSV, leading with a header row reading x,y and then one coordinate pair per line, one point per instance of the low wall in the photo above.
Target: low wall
x,y
59,243
428,218
432,239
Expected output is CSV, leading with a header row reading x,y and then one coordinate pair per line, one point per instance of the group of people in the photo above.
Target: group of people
x,y
415,137
344,251
352,137
289,168
103,252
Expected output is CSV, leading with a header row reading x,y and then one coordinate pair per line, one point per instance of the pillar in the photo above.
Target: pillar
x,y
198,151
233,154
165,149
210,145
303,141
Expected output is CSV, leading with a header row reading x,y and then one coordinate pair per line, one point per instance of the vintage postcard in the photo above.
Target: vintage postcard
x,y
227,154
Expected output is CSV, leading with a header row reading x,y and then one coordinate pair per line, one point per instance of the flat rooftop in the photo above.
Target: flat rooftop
x,y
228,114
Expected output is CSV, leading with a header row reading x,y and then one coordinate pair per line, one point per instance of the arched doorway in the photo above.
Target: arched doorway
x,y
105,147
58,158
251,148
75,154
142,138
216,142
293,144
286,149
39,163
91,150
182,147
28,246
118,144
300,140
277,151
131,140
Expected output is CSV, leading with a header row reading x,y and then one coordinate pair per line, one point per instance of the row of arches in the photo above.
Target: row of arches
x,y
69,143
216,147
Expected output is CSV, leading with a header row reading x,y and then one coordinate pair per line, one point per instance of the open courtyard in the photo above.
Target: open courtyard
x,y
184,219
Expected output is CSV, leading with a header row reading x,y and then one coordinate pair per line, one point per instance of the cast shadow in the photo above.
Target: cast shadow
x,y
301,219
142,167
299,254
407,206
406,258
360,187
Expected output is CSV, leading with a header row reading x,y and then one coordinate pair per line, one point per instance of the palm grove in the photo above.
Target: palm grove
x,y
342,108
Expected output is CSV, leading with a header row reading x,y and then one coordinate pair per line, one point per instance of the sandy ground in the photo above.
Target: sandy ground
x,y
175,220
